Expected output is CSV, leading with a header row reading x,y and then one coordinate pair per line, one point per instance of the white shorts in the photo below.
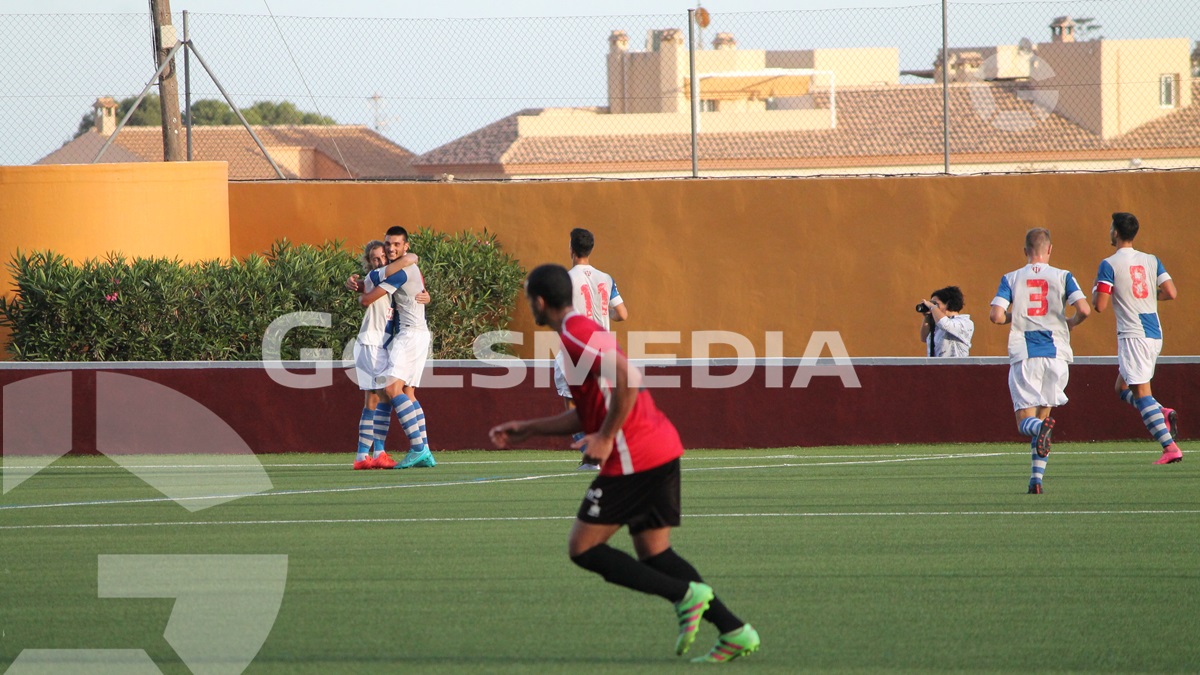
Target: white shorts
x,y
1136,358
407,354
1038,381
370,366
560,379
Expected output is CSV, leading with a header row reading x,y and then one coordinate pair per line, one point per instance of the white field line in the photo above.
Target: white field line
x,y
856,461
573,459
499,519
479,481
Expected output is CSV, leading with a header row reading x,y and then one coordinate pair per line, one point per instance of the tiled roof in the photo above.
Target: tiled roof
x,y
1180,129
875,125
343,151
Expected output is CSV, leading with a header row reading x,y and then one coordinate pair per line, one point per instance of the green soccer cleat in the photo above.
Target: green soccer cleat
x,y
428,461
689,610
415,458
731,645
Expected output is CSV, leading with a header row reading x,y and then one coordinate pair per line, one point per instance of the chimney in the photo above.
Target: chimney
x,y
105,109
724,41
1062,29
618,42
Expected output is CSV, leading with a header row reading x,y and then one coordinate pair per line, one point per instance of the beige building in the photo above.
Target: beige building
x,y
1058,105
302,152
1108,87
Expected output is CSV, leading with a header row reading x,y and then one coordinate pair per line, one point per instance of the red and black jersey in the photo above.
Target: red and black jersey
x,y
647,439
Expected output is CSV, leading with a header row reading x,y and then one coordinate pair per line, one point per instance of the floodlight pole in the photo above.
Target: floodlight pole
x,y
164,38
695,92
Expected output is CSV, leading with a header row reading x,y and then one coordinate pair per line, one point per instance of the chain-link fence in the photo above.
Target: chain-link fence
x,y
1039,86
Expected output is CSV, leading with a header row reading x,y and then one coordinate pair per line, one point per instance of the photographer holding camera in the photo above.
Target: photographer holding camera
x,y
947,332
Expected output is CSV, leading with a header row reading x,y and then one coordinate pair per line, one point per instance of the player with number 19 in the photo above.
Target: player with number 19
x,y
1034,300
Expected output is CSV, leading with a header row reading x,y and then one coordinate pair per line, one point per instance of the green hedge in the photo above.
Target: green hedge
x,y
157,309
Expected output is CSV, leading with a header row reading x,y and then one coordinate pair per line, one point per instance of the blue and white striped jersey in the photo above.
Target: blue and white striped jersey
x,y
1132,279
1038,295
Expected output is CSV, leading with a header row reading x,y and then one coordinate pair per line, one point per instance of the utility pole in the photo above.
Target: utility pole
x,y
168,88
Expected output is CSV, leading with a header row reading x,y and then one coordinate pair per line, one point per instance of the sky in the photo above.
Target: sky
x,y
439,75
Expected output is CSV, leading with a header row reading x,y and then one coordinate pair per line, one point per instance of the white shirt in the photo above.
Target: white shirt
x,y
375,329
593,293
408,312
1132,279
1038,294
952,336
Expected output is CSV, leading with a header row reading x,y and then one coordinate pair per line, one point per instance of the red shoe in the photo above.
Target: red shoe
x,y
1171,454
363,464
1035,488
382,461
1042,443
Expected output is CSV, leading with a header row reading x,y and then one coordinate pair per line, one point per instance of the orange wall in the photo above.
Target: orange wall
x,y
84,211
795,255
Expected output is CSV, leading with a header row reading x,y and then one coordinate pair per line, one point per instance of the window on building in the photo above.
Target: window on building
x,y
708,105
1167,87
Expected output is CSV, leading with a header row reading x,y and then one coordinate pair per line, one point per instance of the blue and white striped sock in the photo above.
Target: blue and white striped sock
x,y
406,412
366,431
1127,396
421,423
1152,417
382,422
1030,426
1037,466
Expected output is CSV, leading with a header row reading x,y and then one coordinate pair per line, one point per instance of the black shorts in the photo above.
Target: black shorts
x,y
644,501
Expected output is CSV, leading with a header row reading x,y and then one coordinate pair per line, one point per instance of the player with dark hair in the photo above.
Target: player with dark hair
x,y
1039,343
405,358
944,331
1134,282
371,357
638,450
593,294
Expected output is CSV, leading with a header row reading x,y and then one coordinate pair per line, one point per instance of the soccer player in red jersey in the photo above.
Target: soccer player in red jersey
x,y
638,450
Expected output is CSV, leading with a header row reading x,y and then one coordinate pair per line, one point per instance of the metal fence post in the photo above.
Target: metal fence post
x,y
695,91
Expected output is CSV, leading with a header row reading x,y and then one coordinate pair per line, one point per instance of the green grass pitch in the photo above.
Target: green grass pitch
x,y
850,560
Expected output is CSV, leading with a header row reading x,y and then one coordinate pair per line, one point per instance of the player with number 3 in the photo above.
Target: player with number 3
x,y
1034,300
1124,279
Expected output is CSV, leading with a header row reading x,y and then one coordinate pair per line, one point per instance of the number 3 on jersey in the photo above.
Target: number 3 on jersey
x,y
1137,274
1038,290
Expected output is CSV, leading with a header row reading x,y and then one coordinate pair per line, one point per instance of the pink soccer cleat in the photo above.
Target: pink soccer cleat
x,y
1171,454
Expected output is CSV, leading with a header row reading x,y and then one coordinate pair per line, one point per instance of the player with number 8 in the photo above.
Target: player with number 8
x,y
1124,280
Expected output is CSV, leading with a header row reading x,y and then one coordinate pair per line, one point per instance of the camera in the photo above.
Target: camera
x,y
922,308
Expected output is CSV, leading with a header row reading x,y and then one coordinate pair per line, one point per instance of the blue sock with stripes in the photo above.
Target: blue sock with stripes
x,y
382,422
421,423
1037,466
406,412
1152,417
1127,396
366,432
1030,426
